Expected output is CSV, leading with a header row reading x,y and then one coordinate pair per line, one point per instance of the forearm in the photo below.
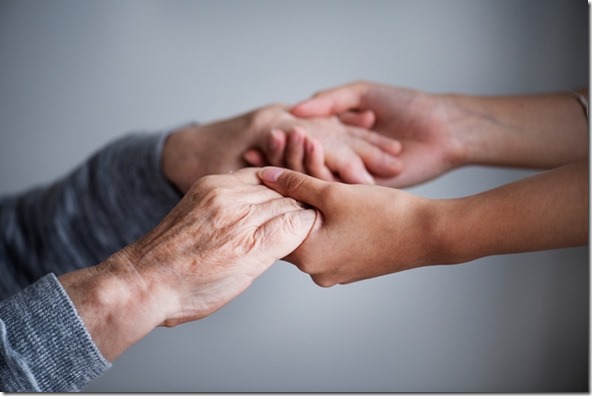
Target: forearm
x,y
546,211
536,131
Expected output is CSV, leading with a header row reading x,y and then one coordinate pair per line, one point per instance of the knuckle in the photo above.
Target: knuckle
x,y
330,194
216,197
264,114
203,184
215,200
293,182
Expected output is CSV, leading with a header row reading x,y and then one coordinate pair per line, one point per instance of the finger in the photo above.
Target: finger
x,y
288,183
362,119
332,102
254,157
247,177
387,144
276,145
242,191
353,171
376,161
265,211
381,164
282,234
294,157
314,161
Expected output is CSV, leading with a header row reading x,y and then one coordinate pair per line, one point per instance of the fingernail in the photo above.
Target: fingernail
x,y
395,147
270,174
296,136
392,147
393,163
273,142
309,147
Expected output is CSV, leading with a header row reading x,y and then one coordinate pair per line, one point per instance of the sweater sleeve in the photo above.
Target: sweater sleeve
x,y
44,346
106,203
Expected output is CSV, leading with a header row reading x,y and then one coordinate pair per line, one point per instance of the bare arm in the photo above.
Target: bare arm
x,y
535,131
546,211
368,231
441,132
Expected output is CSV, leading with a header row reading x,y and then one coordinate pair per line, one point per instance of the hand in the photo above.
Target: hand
x,y
418,120
328,149
219,147
195,151
366,231
223,234
331,153
360,232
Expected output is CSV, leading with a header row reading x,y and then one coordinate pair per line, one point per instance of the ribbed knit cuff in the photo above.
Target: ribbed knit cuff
x,y
49,349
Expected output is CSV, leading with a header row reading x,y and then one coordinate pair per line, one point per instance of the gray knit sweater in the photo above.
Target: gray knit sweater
x,y
106,203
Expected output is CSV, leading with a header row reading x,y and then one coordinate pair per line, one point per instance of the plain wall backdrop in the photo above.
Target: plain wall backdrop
x,y
76,74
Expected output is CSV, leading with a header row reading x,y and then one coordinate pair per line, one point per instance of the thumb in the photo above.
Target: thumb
x,y
362,119
332,102
292,184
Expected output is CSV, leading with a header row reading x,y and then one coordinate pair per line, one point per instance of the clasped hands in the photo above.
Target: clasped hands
x,y
230,227
329,147
374,137
234,222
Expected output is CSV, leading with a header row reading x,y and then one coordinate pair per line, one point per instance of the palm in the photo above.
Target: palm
x,y
420,125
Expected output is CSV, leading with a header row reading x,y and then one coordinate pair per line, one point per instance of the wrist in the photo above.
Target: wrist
x,y
447,233
533,131
116,305
460,122
433,238
464,230
422,232
194,151
179,166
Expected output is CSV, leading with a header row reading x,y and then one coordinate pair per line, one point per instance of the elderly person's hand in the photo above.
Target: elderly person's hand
x,y
223,234
352,153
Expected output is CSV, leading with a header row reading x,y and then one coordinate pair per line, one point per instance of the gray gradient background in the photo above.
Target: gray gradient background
x,y
76,74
